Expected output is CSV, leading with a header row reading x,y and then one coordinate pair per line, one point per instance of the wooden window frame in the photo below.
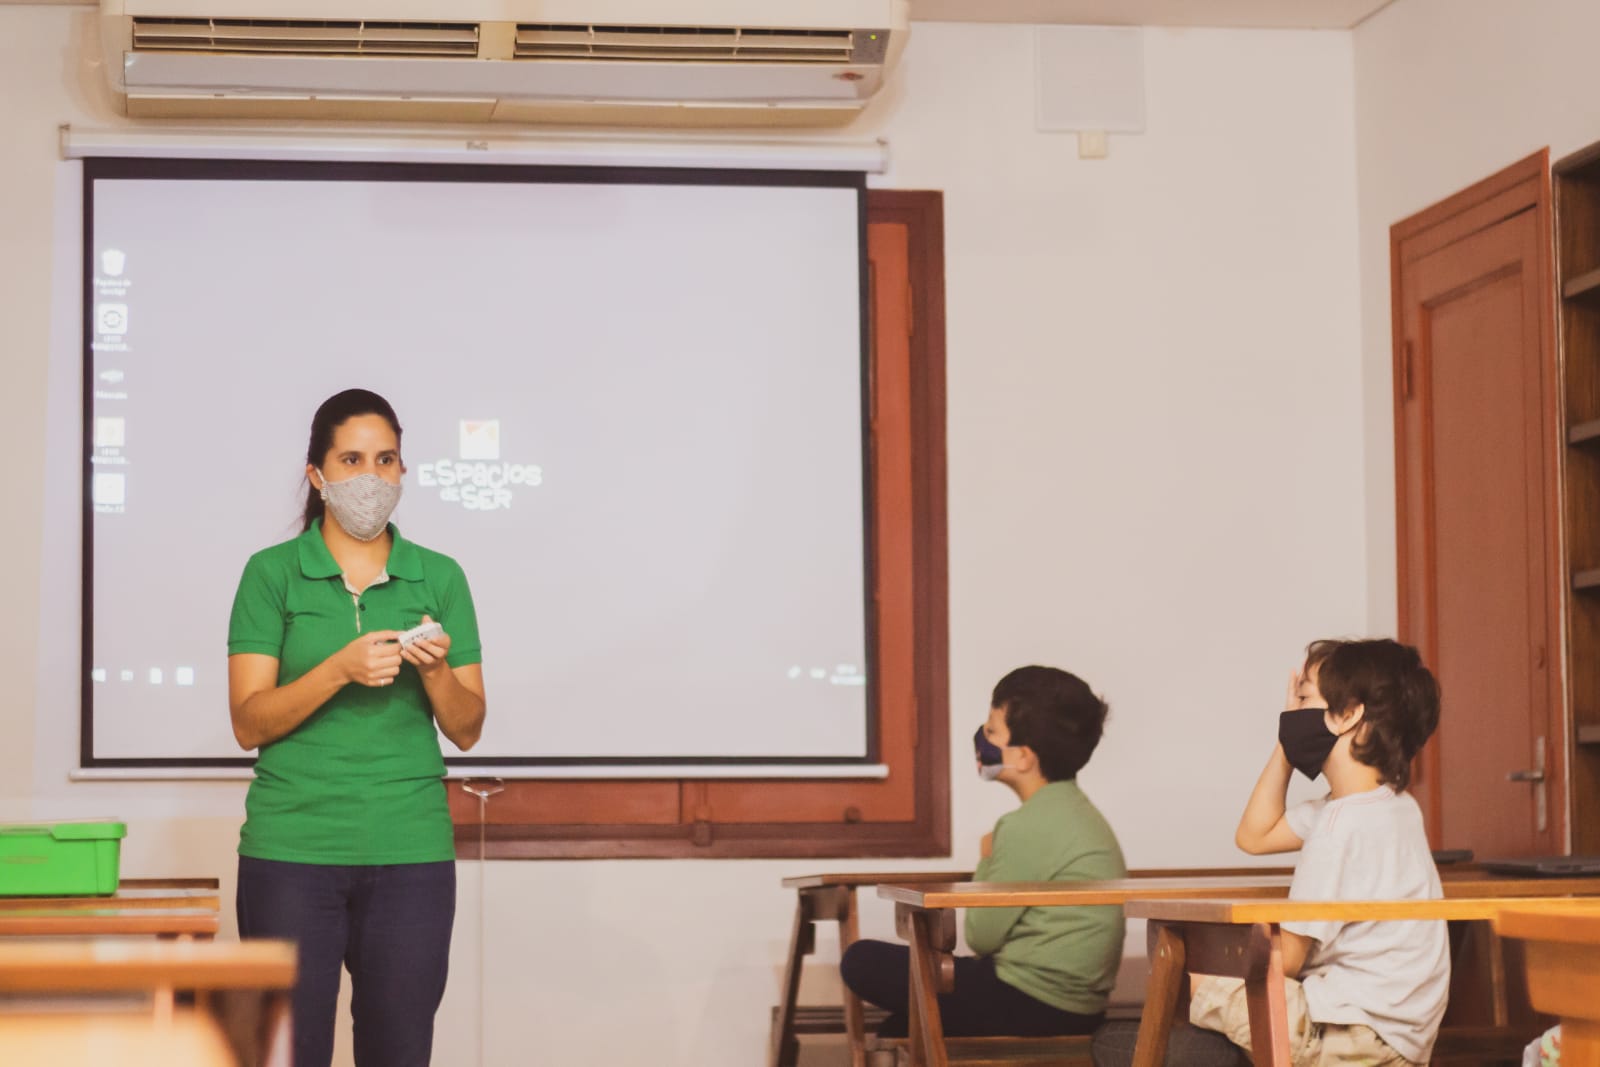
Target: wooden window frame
x,y
907,813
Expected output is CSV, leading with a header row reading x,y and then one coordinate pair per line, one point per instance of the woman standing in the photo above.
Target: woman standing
x,y
347,847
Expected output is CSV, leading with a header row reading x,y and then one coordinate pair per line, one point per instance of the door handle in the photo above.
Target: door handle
x,y
1535,776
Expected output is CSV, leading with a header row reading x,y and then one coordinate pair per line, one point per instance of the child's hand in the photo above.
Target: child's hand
x,y
986,845
1292,701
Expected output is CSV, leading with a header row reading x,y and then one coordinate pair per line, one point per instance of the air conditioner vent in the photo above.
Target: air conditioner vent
x,y
712,44
305,37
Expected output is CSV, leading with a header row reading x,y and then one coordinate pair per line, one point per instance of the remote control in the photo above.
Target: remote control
x,y
419,633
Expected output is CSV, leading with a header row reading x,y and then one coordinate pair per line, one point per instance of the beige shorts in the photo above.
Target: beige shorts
x,y
1219,1004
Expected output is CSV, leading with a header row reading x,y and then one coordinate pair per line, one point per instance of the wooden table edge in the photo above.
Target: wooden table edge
x,y
1241,911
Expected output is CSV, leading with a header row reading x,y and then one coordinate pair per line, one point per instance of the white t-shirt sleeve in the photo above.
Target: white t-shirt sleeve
x,y
1303,816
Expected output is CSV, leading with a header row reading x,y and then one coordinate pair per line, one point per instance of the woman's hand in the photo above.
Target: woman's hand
x,y
986,845
373,659
429,654
263,711
454,694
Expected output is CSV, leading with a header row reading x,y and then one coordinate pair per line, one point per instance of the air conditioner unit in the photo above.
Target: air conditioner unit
x,y
590,62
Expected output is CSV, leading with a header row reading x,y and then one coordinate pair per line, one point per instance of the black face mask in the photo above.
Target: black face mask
x,y
991,758
1307,742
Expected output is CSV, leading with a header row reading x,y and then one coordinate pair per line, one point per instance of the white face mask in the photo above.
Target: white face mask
x,y
361,505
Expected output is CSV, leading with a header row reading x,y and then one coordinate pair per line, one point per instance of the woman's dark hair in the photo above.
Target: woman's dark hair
x,y
329,417
1054,713
1400,696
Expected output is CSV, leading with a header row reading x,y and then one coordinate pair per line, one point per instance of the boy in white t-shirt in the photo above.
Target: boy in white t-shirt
x,y
1371,992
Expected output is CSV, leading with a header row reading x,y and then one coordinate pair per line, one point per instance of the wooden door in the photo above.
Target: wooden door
x,y
1476,466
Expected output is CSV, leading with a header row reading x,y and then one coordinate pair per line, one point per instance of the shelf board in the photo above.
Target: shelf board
x,y
1585,285
1589,733
1584,433
1579,165
1586,581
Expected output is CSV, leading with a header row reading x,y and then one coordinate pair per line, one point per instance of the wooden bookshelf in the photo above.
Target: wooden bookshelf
x,y
1577,225
1584,433
1584,285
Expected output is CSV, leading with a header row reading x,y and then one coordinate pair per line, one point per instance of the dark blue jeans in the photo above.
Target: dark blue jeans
x,y
981,1005
389,925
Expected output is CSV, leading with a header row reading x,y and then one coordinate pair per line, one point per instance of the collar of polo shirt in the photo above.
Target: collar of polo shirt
x,y
317,562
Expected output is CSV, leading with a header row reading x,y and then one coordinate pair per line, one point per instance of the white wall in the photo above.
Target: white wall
x,y
1447,93
1154,377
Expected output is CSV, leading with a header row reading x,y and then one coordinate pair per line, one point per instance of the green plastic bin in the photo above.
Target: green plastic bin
x,y
65,859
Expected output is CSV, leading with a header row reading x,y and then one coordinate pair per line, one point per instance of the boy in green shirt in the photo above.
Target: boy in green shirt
x,y
1038,971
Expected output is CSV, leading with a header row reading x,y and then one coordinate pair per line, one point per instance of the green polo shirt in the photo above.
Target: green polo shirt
x,y
360,780
1065,957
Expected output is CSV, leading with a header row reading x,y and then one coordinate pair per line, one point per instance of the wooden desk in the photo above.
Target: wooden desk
x,y
73,1039
832,897
828,897
1563,965
257,975
95,922
1244,939
124,899
170,883
925,917
160,907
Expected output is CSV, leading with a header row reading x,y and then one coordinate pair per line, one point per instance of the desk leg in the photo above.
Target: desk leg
x,y
1497,977
1266,995
855,1027
277,1033
784,1050
926,1027
1161,995
165,998
1253,953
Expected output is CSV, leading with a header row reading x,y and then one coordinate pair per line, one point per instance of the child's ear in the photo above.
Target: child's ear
x,y
1029,761
1350,719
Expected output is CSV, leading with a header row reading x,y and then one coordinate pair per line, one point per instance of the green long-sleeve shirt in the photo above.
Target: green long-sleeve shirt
x,y
1065,957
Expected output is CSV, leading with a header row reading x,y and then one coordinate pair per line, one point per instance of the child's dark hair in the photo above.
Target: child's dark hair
x,y
1400,696
1054,713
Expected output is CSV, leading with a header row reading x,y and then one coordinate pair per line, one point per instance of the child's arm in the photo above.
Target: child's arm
x,y
1262,827
987,928
1296,947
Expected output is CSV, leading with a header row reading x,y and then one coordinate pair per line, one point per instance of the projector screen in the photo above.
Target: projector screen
x,y
633,410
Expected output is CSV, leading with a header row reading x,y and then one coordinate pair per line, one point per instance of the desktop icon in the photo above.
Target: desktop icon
x,y
109,490
110,431
111,318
